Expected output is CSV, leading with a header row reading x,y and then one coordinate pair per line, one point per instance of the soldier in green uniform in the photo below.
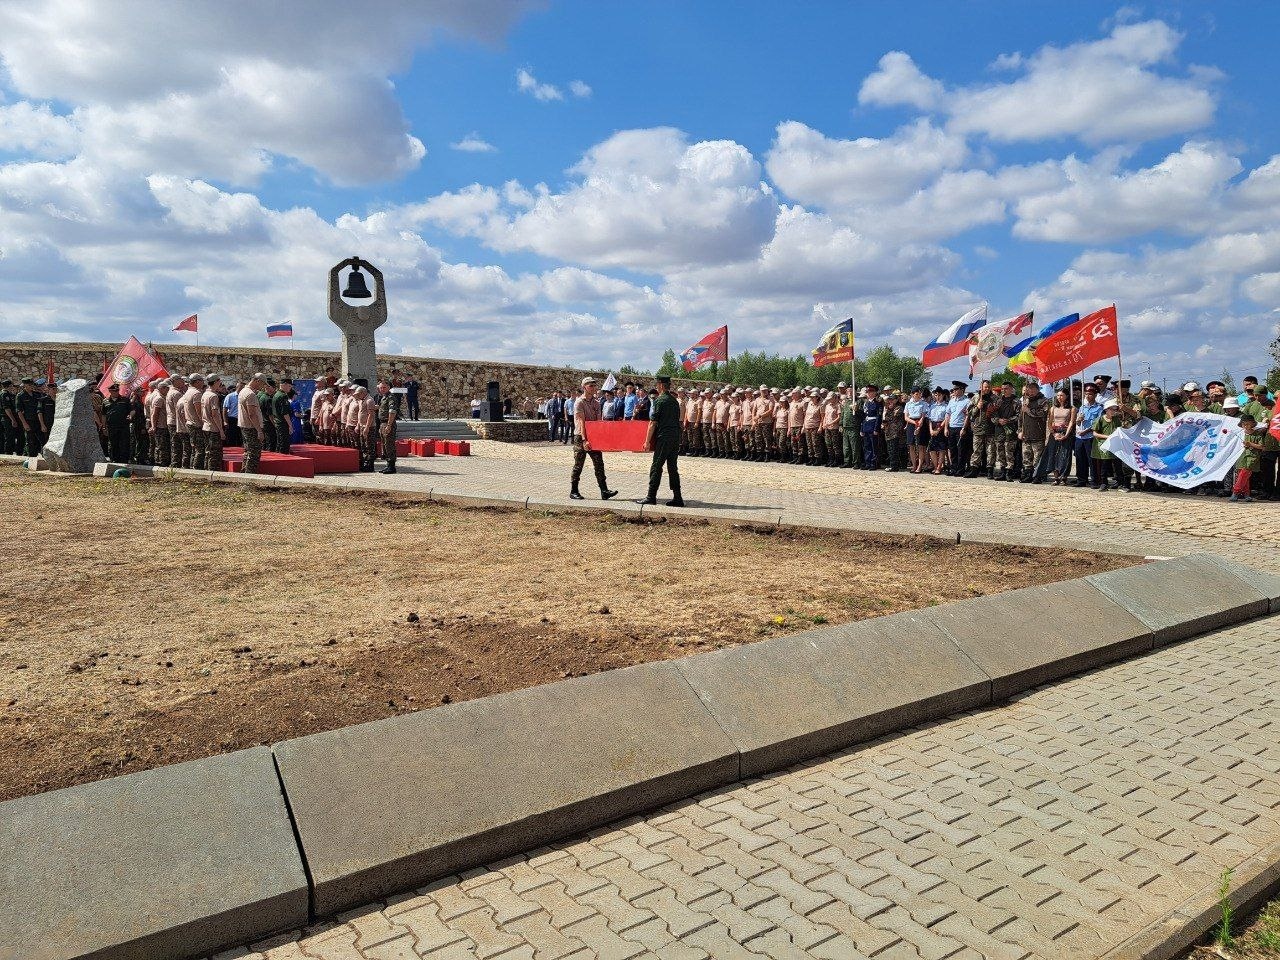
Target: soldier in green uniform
x,y
115,413
983,462
10,428
282,415
48,405
663,439
388,416
849,429
266,400
140,440
28,408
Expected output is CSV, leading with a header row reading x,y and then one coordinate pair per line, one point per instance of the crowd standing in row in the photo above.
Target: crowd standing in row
x,y
186,421
992,433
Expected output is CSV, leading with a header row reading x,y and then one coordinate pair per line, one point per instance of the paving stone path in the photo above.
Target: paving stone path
x,y
1053,826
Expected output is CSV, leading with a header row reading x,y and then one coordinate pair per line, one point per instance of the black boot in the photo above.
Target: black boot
x,y
607,494
575,494
651,500
676,501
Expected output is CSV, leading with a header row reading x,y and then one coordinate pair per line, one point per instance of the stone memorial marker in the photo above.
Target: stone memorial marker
x,y
73,445
357,323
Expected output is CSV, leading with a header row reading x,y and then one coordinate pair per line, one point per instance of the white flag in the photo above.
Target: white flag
x,y
610,382
1191,449
987,344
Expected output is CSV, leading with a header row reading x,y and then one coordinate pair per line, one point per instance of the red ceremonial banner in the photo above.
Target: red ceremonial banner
x,y
616,436
1078,346
713,347
134,366
192,323
1275,419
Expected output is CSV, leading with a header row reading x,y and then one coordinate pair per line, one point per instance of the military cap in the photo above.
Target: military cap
x,y
271,381
1150,385
841,385
6,383
889,386
1215,383
663,378
1104,377
1190,385
196,378
1231,403
362,389
764,386
959,385
1124,384
941,390
586,380
30,380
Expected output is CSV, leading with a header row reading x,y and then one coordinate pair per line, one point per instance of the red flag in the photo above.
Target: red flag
x,y
191,324
1275,419
1078,345
51,372
133,366
714,346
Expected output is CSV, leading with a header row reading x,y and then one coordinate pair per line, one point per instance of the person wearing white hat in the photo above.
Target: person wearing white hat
x,y
762,411
795,425
156,407
1103,461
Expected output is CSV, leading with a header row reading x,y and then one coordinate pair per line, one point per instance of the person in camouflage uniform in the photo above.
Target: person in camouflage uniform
x,y
266,395
116,412
139,438
213,423
984,436
282,415
388,416
251,421
1004,423
158,422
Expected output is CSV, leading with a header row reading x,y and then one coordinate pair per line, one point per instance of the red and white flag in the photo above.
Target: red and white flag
x,y
134,366
713,347
190,324
1078,346
987,344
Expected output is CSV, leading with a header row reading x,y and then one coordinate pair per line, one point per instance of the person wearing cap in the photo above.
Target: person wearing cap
x,y
387,417
139,436
663,438
982,458
1260,407
115,411
1215,393
1105,391
795,426
1087,417
781,430
586,410
893,427
190,403
1107,424
362,420
831,429
1033,427
180,438
156,407
763,408
871,427
938,430
689,406
814,446
282,414
96,401
27,405
212,424
251,421
957,421
1004,419
733,423
10,428
720,412
915,413
266,400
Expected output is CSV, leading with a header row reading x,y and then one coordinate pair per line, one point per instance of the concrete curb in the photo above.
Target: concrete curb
x,y
1253,884
379,807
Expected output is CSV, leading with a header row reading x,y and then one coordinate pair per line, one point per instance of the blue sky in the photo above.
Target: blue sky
x,y
642,173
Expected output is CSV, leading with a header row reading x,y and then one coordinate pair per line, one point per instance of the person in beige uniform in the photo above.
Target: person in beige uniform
x,y
362,420
190,404
708,421
815,449
179,434
693,416
157,409
212,424
585,410
831,429
732,424
795,426
250,417
762,408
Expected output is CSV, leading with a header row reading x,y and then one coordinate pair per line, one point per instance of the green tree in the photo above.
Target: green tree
x,y
884,366
670,365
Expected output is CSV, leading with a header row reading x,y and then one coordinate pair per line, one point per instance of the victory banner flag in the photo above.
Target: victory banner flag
x,y
133,366
836,345
1022,355
988,345
953,342
1074,348
1190,449
711,348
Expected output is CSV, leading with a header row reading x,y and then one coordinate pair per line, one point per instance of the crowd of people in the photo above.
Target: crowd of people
x,y
991,433
186,420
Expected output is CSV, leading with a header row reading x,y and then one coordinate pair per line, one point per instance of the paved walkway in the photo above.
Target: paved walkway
x,y
1053,827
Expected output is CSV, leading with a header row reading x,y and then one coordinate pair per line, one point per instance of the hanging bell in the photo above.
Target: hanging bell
x,y
357,289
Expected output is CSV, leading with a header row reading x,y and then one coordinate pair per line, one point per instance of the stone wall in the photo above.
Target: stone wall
x,y
448,386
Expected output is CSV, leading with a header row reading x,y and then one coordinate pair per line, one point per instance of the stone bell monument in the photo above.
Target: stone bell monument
x,y
73,445
357,323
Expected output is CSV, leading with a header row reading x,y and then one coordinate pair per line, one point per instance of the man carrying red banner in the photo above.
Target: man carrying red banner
x,y
586,409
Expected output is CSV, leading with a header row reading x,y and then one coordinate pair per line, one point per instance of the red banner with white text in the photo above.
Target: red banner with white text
x,y
1076,347
134,366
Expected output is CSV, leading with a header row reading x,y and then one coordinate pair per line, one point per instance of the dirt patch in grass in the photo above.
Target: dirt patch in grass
x,y
149,622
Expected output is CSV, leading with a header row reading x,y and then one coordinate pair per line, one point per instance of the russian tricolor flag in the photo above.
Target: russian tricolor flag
x,y
280,330
953,342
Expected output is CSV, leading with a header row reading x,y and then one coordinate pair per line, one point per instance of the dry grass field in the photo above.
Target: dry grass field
x,y
148,622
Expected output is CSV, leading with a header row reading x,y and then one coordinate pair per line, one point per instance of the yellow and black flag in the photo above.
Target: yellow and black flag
x,y
836,345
